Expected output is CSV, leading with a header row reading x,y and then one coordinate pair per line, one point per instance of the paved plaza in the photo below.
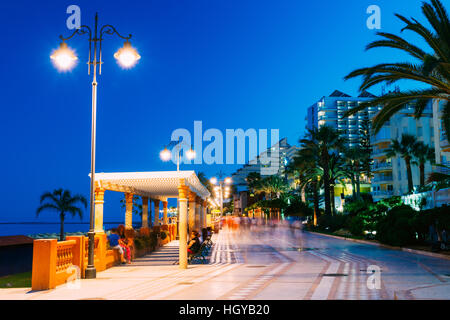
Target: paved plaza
x,y
266,263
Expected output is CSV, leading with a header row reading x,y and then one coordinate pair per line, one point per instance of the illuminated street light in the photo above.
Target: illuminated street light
x,y
127,56
221,192
64,58
166,154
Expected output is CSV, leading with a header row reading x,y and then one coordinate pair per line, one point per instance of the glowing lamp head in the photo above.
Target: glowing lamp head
x,y
190,154
64,58
213,180
165,154
127,56
228,180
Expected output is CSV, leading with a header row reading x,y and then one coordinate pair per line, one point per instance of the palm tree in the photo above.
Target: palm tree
x,y
62,202
305,167
253,181
405,148
423,154
354,156
430,68
205,181
338,174
271,185
321,143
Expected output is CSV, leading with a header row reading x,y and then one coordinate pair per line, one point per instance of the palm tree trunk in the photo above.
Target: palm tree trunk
x,y
316,202
333,206
358,186
61,231
422,174
326,186
409,172
353,187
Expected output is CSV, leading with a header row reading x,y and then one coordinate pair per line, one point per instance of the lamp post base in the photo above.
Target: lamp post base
x,y
90,273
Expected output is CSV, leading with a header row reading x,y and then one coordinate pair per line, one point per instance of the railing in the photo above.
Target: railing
x,y
381,178
382,165
54,263
64,260
379,151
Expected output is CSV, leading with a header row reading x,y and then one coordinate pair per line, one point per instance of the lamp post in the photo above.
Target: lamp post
x,y
65,59
220,191
166,155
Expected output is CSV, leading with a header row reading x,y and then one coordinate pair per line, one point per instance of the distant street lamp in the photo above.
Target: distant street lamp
x,y
220,191
166,154
64,59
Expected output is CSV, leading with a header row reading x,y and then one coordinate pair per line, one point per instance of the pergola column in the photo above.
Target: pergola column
x,y
198,214
204,223
165,219
192,209
156,218
183,194
144,212
128,211
98,205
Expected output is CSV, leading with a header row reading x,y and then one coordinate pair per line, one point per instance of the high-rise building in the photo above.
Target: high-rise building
x,y
329,110
276,158
442,145
389,174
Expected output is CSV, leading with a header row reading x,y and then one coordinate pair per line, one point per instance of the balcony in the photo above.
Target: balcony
x,y
381,178
379,152
377,166
443,143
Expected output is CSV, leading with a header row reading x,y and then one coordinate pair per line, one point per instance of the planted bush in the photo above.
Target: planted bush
x,y
396,227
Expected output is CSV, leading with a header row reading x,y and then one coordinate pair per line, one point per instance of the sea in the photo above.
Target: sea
x,y
35,228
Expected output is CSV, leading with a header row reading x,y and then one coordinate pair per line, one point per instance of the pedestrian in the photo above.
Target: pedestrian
x,y
113,239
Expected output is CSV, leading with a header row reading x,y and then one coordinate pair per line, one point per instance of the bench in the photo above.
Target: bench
x,y
201,253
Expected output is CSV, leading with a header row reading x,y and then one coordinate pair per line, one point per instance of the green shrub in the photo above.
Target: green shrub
x,y
356,226
396,227
298,208
332,223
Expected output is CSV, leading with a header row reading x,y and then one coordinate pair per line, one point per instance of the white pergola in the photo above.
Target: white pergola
x,y
156,186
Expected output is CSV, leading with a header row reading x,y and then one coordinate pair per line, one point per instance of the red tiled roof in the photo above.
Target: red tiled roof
x,y
14,240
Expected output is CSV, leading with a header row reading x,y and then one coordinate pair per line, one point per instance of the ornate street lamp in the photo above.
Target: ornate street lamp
x,y
166,154
65,59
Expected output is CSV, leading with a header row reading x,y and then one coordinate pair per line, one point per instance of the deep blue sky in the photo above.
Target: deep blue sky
x,y
230,63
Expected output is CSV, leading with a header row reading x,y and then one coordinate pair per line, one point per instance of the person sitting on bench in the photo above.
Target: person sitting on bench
x,y
113,239
194,243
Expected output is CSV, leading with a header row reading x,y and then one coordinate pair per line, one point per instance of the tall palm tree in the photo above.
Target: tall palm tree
x,y
253,180
405,148
423,154
272,185
354,157
322,143
338,174
205,181
429,68
305,167
62,202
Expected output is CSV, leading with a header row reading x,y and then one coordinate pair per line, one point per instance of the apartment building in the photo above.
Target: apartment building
x,y
390,177
278,156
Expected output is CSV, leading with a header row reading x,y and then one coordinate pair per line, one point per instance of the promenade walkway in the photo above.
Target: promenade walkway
x,y
265,264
